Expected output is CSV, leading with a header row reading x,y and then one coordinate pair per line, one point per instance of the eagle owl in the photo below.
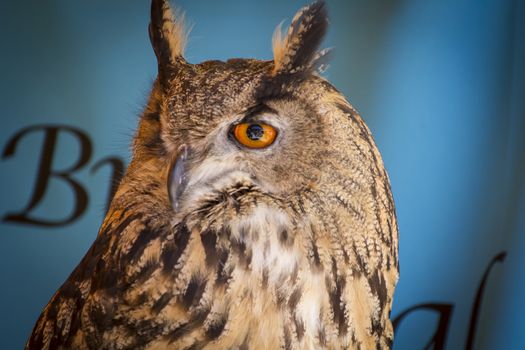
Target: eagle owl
x,y
256,213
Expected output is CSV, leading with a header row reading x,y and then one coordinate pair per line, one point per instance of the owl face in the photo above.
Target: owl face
x,y
242,122
230,123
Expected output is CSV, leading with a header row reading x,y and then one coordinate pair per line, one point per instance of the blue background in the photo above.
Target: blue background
x,y
440,83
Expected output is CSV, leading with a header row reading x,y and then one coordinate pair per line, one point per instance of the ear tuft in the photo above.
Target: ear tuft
x,y
168,36
278,46
297,51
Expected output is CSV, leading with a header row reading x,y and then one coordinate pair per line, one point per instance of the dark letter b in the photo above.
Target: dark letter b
x,y
45,173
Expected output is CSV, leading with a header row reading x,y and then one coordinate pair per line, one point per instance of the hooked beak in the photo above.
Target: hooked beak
x,y
177,177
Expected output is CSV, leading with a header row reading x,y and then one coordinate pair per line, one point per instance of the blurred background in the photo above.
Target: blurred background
x,y
441,85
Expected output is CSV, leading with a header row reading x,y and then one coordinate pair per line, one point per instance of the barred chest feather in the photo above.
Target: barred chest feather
x,y
258,281
242,273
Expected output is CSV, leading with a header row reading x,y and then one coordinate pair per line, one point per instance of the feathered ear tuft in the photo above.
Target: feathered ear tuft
x,y
168,37
297,51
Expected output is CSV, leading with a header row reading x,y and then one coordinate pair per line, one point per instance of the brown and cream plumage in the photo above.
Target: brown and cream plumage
x,y
211,244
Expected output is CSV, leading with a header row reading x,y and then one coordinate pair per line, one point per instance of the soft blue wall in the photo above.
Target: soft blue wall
x,y
440,83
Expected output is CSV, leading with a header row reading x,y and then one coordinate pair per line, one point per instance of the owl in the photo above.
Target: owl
x,y
256,213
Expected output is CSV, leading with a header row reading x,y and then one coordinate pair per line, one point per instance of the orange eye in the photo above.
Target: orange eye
x,y
255,135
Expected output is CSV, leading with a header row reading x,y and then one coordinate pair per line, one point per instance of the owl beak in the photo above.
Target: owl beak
x,y
178,178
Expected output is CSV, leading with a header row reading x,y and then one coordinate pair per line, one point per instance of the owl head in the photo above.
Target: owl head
x,y
275,125
271,131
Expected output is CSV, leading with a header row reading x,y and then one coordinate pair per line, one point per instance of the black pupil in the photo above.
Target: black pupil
x,y
255,132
